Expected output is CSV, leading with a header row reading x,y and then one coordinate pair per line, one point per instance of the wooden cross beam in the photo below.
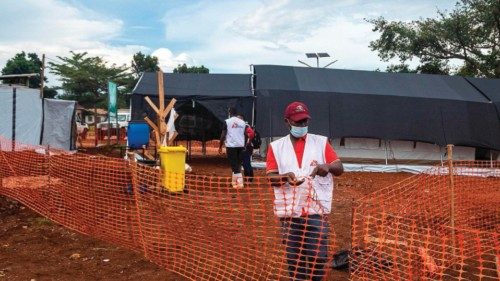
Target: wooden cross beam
x,y
160,127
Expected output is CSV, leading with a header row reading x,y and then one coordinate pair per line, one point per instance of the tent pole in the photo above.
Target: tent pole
x,y
451,183
14,111
252,89
95,126
269,139
42,75
386,156
441,155
161,107
109,128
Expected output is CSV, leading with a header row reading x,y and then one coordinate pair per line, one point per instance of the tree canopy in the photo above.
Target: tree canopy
x,y
192,69
23,63
470,33
85,79
144,63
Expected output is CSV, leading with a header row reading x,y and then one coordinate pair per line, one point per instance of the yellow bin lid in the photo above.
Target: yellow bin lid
x,y
179,148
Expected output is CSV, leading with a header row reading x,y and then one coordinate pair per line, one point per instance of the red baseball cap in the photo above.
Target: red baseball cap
x,y
297,111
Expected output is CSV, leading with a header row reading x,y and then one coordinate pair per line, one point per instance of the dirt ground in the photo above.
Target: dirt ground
x,y
34,248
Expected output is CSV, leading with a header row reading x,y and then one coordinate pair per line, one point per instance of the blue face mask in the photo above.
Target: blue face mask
x,y
298,132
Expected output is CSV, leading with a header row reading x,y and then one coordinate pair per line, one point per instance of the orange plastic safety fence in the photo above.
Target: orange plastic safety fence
x,y
202,148
207,231
432,226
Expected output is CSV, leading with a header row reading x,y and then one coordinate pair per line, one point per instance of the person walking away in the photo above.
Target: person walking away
x,y
248,151
301,167
233,137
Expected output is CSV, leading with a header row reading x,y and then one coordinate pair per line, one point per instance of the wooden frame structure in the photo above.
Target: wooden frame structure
x,y
162,136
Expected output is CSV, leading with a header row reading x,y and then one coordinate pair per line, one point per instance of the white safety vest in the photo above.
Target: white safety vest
x,y
235,136
311,197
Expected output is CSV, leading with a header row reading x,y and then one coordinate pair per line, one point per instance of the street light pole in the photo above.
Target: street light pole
x,y
317,56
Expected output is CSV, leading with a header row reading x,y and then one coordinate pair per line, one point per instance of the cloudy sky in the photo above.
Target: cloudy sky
x,y
224,35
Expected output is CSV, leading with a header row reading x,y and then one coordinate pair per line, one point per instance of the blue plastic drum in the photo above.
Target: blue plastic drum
x,y
137,134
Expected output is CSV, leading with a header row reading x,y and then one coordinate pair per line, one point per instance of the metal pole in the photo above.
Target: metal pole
x,y
451,184
386,153
252,89
109,125
42,76
117,128
14,98
441,156
95,126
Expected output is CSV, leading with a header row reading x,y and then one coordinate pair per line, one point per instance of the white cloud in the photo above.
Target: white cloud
x,y
196,23
56,28
281,31
287,21
51,21
168,61
224,35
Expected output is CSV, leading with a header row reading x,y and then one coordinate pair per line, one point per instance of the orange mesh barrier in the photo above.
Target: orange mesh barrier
x,y
432,226
210,231
86,138
198,148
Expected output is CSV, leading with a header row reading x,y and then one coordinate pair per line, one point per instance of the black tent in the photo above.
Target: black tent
x,y
202,100
391,106
488,87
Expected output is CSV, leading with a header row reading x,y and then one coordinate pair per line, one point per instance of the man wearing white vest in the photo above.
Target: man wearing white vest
x,y
233,136
301,167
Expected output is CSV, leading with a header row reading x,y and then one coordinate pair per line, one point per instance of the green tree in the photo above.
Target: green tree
x,y
402,68
192,69
470,33
432,67
24,64
85,79
50,92
144,63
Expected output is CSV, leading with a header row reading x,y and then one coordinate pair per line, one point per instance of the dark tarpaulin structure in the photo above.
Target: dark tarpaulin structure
x,y
436,109
202,100
488,87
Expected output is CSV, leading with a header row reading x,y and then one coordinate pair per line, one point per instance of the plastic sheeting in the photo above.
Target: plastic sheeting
x,y
363,148
348,167
27,115
490,88
413,169
202,101
436,109
22,119
58,123
6,98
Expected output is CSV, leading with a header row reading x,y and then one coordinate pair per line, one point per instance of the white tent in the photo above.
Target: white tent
x,y
374,149
23,114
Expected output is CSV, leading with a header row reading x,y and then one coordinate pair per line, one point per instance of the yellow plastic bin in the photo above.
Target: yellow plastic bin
x,y
172,162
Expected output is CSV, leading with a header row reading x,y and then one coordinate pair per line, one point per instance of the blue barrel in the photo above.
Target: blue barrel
x,y
137,134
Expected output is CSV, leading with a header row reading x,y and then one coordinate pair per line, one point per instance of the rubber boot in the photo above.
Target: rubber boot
x,y
234,181
239,180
